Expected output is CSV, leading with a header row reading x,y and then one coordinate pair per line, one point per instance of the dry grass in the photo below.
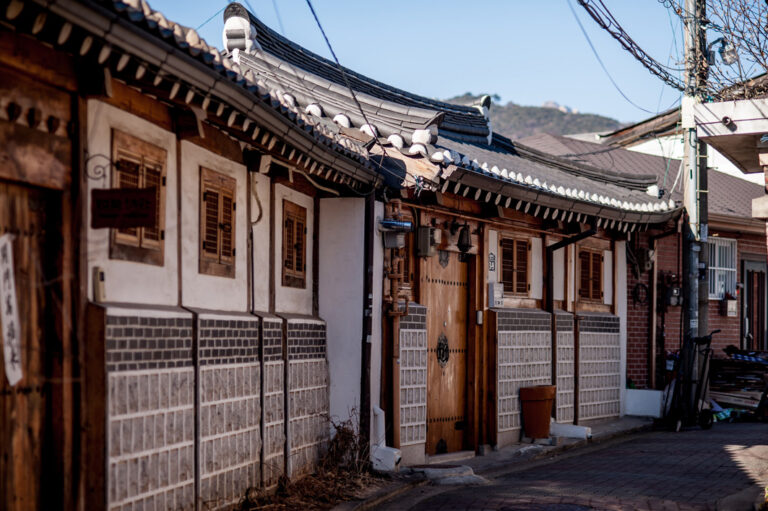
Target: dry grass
x,y
342,473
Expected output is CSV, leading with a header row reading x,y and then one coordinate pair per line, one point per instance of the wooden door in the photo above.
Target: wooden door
x,y
445,293
754,302
30,411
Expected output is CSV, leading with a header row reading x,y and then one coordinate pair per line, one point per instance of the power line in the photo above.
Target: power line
x,y
279,18
605,19
204,23
346,80
600,61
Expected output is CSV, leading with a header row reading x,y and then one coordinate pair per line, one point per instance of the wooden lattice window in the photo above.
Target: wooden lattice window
x,y
139,164
514,266
294,245
591,275
217,223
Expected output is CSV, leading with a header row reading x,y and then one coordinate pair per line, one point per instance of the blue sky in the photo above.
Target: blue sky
x,y
527,51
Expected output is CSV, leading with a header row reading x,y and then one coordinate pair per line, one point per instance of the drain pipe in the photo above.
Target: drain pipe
x,y
652,299
550,307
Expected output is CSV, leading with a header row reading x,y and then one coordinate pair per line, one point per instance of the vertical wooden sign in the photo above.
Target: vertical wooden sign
x,y
9,313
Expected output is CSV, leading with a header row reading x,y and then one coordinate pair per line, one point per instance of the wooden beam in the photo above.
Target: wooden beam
x,y
31,156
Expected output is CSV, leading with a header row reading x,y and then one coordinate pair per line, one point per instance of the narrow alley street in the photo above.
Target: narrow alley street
x,y
658,470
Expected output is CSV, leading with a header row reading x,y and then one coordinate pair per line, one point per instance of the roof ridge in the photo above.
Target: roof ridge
x,y
633,182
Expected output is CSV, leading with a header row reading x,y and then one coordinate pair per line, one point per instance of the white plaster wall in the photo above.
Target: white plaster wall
x,y
127,281
571,263
200,290
291,299
672,147
620,299
260,190
376,318
537,268
558,270
340,297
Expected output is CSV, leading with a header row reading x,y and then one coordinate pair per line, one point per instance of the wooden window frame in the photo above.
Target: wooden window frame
x,y
217,260
140,244
593,295
513,291
297,216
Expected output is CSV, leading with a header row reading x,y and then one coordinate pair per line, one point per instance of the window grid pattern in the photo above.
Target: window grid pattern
x,y
723,263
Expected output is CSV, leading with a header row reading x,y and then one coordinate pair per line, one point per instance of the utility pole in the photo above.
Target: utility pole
x,y
695,233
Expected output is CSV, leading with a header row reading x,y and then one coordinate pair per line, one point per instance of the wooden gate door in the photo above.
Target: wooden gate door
x,y
31,411
754,299
445,293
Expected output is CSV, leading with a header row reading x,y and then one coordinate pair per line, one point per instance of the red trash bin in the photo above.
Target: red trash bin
x,y
537,409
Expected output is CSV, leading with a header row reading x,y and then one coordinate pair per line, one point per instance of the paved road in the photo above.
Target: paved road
x,y
660,470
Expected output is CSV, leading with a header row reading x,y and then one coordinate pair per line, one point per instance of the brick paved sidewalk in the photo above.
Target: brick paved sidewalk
x,y
661,470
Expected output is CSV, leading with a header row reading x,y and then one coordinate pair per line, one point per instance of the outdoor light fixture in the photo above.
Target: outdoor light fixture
x,y
465,240
727,52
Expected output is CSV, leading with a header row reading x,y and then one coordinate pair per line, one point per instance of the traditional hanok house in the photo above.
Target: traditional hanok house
x,y
231,287
470,296
180,232
736,250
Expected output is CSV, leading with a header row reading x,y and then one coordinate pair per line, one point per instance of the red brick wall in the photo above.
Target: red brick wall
x,y
637,321
668,261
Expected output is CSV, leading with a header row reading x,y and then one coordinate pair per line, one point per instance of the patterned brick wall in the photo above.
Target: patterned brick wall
x,y
524,358
230,408
565,369
274,400
599,366
308,400
413,376
151,423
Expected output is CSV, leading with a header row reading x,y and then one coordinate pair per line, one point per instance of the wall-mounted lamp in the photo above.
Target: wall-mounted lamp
x,y
465,240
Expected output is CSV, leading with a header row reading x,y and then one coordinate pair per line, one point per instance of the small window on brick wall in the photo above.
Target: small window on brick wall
x,y
217,223
139,164
294,245
591,275
723,264
514,266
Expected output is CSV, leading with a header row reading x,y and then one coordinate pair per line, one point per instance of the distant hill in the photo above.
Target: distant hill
x,y
516,121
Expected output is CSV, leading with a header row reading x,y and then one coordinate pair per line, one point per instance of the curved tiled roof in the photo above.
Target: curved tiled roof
x,y
277,78
460,120
463,138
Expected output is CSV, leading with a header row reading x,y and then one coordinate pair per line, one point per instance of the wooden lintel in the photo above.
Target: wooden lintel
x,y
31,156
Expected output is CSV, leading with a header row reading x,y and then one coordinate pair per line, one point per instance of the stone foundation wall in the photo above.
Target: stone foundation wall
x,y
413,376
274,400
308,399
150,411
599,366
230,408
523,359
565,367
185,421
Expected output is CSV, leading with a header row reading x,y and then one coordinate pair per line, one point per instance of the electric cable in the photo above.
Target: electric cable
x,y
600,61
605,19
204,23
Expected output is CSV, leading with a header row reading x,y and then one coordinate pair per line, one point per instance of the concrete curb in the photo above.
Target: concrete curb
x,y
384,494
397,488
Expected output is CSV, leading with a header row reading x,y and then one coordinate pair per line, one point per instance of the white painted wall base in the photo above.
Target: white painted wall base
x,y
644,403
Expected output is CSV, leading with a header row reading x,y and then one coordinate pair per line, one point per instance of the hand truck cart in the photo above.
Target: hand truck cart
x,y
691,384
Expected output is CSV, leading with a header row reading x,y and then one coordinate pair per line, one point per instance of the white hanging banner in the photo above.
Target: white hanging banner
x,y
9,312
